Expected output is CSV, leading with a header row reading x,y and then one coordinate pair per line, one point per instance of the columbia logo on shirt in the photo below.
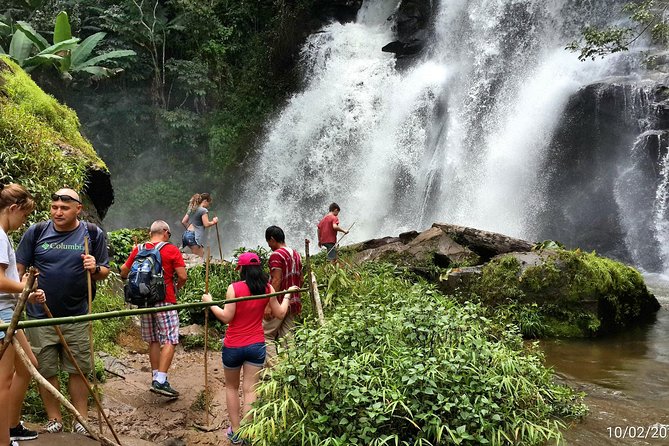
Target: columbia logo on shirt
x,y
62,246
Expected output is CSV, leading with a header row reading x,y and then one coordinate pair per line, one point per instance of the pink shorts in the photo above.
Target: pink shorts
x,y
161,327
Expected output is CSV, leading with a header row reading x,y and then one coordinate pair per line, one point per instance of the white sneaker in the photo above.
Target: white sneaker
x,y
13,443
79,428
53,426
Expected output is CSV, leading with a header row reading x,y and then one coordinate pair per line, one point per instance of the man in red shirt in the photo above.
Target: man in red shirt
x,y
285,268
161,330
327,232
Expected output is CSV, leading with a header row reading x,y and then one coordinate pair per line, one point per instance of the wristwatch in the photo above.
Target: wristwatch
x,y
97,269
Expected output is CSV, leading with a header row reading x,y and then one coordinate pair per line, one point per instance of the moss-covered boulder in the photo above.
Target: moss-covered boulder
x,y
42,148
575,293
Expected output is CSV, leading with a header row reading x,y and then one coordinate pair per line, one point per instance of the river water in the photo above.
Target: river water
x,y
626,378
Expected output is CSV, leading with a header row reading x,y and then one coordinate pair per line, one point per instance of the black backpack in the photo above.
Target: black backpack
x,y
146,283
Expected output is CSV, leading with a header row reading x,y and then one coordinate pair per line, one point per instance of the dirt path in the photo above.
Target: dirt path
x,y
137,412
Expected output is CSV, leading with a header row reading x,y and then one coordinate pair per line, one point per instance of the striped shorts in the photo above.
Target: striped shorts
x,y
161,327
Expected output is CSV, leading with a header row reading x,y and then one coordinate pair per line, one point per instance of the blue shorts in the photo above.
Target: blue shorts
x,y
331,251
188,239
235,357
6,316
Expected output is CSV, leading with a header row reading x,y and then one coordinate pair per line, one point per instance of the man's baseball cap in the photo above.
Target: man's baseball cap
x,y
248,259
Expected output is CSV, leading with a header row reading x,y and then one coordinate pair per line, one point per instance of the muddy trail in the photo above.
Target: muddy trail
x,y
139,413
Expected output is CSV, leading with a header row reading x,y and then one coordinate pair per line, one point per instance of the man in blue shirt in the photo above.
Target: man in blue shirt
x,y
56,249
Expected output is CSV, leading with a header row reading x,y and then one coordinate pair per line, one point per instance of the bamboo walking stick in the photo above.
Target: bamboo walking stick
x,y
311,280
20,305
52,390
206,337
218,237
89,283
70,356
342,237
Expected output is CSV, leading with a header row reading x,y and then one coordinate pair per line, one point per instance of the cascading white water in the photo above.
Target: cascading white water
x,y
459,136
661,213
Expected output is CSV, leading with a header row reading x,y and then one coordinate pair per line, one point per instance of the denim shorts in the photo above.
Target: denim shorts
x,y
331,251
6,316
235,357
188,239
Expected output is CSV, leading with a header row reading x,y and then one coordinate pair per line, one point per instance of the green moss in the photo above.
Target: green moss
x,y
40,143
577,293
500,282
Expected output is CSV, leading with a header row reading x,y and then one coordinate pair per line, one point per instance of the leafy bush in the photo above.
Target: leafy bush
x,y
399,363
220,276
121,242
109,297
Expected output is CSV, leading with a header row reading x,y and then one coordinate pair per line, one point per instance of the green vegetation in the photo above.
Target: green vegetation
x,y
204,79
648,17
121,242
40,143
66,52
572,293
109,297
399,363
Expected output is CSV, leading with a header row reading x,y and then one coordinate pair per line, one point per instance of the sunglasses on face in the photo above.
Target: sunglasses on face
x,y
169,234
64,198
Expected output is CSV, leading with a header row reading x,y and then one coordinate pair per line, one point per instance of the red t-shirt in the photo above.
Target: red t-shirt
x,y
290,263
326,234
246,326
171,259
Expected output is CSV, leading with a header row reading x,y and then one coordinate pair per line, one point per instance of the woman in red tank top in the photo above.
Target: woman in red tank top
x,y
244,341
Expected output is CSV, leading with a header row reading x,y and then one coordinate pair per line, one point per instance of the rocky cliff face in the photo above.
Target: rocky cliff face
x,y
604,168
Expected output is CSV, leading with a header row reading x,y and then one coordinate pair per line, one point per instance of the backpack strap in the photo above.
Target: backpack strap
x,y
40,227
92,234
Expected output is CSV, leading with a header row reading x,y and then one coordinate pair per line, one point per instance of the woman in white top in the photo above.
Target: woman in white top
x,y
15,206
196,221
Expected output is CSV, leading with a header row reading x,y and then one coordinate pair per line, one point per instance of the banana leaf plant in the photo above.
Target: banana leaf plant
x,y
67,53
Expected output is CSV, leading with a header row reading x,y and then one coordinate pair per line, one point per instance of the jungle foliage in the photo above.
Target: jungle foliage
x,y
397,363
193,99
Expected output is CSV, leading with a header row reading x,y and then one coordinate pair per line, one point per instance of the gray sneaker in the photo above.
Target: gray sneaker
x,y
164,389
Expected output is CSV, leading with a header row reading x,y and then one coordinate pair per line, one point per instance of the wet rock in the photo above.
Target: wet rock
x,y
484,243
459,279
191,330
412,20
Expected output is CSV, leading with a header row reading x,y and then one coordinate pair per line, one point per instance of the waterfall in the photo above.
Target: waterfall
x,y
460,135
661,212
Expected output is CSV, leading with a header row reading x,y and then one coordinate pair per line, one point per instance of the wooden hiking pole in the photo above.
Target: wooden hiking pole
x,y
70,356
313,291
218,237
61,399
206,337
206,427
23,298
89,282
342,237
